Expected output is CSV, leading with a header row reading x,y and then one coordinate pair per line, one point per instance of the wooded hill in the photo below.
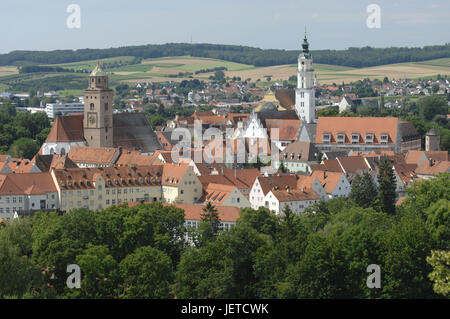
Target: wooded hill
x,y
353,57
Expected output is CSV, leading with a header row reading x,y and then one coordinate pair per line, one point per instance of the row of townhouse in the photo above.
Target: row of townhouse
x,y
97,188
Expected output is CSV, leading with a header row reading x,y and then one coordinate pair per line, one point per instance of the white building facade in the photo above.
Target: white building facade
x,y
305,93
64,108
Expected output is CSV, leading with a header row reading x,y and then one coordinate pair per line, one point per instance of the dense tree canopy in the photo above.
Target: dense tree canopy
x,y
141,252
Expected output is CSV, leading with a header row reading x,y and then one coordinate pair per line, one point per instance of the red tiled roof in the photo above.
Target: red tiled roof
x,y
216,193
329,180
94,155
67,128
295,195
27,184
359,125
426,168
287,129
194,212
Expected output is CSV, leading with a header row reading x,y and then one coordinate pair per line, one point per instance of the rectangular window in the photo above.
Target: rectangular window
x,y
326,138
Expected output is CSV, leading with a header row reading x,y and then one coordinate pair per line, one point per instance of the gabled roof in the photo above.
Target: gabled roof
x,y
353,164
264,115
359,125
68,128
46,163
295,195
93,155
118,176
270,182
216,194
134,158
287,128
133,131
408,131
305,149
173,173
433,168
405,171
27,184
414,156
21,165
329,180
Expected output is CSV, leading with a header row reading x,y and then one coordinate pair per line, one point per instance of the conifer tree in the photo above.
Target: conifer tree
x,y
386,187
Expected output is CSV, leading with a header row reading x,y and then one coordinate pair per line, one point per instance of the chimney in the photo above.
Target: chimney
x,y
288,189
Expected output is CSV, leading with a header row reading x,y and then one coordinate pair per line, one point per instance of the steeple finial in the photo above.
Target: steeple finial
x,y
305,44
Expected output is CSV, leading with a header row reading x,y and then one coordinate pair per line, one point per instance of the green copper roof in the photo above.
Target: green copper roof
x,y
98,71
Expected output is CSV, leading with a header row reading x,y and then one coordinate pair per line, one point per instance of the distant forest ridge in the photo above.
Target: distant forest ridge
x,y
352,57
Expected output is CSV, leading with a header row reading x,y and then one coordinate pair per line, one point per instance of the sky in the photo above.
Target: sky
x,y
274,24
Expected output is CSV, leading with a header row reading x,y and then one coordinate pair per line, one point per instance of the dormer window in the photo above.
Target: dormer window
x,y
384,138
292,156
285,155
341,138
355,138
326,138
299,156
369,138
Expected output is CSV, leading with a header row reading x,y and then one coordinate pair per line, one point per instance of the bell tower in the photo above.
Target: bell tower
x,y
98,113
305,93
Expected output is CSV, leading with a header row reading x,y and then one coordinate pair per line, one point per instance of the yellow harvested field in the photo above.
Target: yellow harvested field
x,y
392,71
278,72
8,70
179,61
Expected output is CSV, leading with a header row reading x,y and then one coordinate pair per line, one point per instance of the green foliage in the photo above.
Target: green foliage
x,y
146,273
430,106
364,190
440,261
21,134
19,275
329,111
354,57
100,241
386,187
24,148
140,252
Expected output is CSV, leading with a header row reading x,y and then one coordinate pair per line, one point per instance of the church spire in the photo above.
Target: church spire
x,y
305,44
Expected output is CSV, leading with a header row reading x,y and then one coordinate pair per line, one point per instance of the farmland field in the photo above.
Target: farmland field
x,y
164,69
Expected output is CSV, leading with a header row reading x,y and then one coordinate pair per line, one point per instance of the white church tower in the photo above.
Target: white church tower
x,y
305,93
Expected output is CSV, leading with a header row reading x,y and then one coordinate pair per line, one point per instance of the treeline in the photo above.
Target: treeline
x,y
142,252
39,68
353,57
219,68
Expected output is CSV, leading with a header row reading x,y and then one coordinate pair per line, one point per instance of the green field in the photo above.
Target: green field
x,y
163,69
91,63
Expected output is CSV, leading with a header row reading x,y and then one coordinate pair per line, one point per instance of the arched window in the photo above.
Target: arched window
x,y
63,151
106,106
92,106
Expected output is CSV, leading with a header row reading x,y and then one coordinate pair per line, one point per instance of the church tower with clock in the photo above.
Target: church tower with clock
x,y
305,93
98,110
